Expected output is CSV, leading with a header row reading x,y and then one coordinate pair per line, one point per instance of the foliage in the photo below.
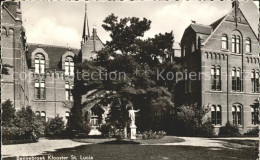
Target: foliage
x,y
127,52
252,132
206,129
153,134
8,113
24,126
189,121
29,122
229,130
54,127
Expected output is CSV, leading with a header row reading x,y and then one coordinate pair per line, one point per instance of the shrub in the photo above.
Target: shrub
x,y
229,130
206,129
8,113
86,128
29,123
153,135
252,132
105,129
54,127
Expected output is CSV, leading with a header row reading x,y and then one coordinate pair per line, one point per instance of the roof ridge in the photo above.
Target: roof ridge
x,y
50,45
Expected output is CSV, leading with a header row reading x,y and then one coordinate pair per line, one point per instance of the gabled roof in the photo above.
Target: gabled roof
x,y
200,28
54,52
217,22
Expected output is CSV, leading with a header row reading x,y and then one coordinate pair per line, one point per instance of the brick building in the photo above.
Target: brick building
x,y
225,55
40,75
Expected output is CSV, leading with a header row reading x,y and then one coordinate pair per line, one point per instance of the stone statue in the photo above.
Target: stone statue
x,y
132,116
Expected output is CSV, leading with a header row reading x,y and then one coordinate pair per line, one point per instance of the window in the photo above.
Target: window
x,y
224,41
43,116
215,78
67,116
69,66
255,83
236,80
216,115
238,44
39,90
236,114
68,92
39,63
254,115
37,113
248,45
192,47
235,44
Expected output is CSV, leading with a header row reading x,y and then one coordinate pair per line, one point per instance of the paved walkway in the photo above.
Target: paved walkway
x,y
38,148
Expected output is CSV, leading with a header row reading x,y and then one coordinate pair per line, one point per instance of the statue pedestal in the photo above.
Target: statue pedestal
x,y
133,132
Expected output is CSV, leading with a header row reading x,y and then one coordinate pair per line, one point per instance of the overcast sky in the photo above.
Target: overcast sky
x,y
61,23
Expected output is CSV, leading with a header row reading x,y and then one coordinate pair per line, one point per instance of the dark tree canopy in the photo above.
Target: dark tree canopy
x,y
134,57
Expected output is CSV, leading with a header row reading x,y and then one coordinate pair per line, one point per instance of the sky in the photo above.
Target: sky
x,y
61,23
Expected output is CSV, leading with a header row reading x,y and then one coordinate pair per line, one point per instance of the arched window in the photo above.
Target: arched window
x,y
37,113
69,66
239,81
218,78
254,115
43,116
68,93
213,78
257,85
236,80
238,44
39,63
237,114
216,115
253,80
233,44
248,45
67,116
39,90
224,41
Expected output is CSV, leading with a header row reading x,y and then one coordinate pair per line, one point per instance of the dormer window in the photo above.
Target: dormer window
x,y
69,66
248,45
224,41
39,63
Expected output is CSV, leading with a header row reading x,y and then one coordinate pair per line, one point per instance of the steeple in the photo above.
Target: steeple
x,y
85,27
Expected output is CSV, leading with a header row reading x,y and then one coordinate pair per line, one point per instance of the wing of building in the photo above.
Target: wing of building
x,y
225,57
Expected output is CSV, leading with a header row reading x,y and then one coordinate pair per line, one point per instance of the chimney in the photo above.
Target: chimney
x,y
235,4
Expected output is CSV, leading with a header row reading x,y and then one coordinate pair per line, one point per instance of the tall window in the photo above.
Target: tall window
x,y
215,78
236,114
236,44
255,83
233,44
39,63
216,115
68,93
67,116
248,45
43,116
39,90
254,115
69,66
236,80
224,41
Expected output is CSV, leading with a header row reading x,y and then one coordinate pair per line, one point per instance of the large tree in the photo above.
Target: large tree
x,y
128,68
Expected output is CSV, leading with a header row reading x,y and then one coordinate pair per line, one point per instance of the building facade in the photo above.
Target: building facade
x,y
39,75
225,56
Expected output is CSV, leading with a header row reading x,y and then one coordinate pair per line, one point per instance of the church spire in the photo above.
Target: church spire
x,y
85,27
